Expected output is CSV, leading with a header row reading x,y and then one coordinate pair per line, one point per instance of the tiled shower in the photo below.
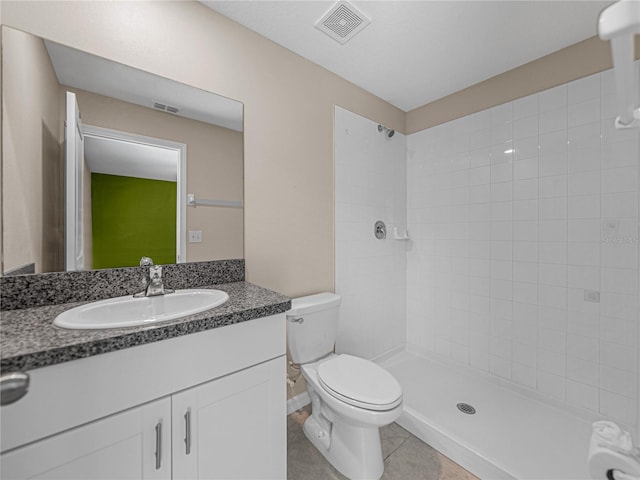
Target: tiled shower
x,y
523,258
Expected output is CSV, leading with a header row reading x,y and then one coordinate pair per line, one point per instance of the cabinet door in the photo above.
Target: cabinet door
x,y
134,444
233,427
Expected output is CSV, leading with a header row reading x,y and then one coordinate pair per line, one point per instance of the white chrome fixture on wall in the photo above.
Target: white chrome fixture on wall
x,y
619,23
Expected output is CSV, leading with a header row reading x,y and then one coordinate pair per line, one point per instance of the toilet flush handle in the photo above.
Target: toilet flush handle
x,y
297,320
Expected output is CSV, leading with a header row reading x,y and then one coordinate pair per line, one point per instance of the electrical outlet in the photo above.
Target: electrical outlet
x,y
195,236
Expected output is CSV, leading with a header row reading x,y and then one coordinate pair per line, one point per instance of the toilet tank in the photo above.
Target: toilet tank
x,y
312,326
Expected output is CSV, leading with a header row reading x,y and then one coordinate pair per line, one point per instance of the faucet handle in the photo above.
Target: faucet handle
x,y
155,272
146,262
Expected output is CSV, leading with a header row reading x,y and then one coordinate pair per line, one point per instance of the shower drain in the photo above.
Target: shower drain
x,y
466,408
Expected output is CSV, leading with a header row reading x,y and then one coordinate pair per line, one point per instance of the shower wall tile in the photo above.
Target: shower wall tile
x,y
534,274
371,274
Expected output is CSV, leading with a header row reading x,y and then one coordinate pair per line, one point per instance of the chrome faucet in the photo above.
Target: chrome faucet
x,y
152,283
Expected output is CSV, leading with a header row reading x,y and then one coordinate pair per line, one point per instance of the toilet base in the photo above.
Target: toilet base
x,y
354,451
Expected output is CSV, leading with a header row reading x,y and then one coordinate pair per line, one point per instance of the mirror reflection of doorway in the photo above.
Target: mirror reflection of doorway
x,y
128,201
137,198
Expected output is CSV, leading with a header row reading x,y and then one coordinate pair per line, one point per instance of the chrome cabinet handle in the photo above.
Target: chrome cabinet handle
x,y
158,445
187,436
13,386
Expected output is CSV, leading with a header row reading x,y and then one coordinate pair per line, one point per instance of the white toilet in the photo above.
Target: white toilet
x,y
351,397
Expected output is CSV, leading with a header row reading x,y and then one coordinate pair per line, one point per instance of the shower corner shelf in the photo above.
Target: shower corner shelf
x,y
400,235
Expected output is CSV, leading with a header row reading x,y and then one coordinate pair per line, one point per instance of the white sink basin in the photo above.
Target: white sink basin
x,y
130,312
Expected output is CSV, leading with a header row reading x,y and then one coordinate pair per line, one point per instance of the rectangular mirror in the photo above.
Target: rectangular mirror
x,y
104,163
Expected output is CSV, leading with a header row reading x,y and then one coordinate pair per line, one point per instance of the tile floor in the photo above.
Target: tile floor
x,y
405,456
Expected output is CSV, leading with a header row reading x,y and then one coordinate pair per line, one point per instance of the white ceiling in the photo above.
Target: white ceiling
x,y
415,52
130,159
98,75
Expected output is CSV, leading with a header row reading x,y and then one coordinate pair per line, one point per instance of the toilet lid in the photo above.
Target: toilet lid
x,y
359,382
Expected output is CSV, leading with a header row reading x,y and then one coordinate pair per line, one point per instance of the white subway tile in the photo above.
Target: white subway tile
x,y
526,106
500,366
583,396
552,274
553,120
616,355
624,179
585,136
526,169
552,230
501,172
584,230
525,127
619,280
618,381
618,407
553,252
619,305
525,251
584,324
584,206
502,192
583,254
525,293
526,148
620,255
501,211
552,318
552,208
583,277
525,189
524,375
582,371
584,113
553,186
553,341
525,272
584,89
584,159
624,204
584,183
525,210
619,330
552,385
553,98
479,157
552,296
583,348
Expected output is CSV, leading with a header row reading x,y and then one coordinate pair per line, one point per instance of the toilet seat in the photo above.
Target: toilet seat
x,y
360,383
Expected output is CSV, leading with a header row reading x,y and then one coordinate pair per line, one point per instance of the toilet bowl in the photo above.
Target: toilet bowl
x,y
351,397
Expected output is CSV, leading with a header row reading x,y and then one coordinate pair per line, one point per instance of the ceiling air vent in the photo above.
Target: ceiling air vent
x,y
165,108
342,22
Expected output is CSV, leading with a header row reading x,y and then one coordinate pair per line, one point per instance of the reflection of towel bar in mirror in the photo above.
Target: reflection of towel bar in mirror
x,y
192,201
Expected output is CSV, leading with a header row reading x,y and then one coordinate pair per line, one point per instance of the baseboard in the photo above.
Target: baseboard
x,y
297,402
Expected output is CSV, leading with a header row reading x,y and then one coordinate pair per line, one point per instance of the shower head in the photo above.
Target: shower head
x,y
387,131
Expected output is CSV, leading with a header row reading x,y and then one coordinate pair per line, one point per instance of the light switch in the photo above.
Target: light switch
x,y
195,236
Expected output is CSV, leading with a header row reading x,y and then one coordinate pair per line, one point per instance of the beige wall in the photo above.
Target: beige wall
x,y
576,61
31,166
288,116
214,167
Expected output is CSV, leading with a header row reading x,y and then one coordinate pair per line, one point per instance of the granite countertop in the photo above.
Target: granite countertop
x,y
30,340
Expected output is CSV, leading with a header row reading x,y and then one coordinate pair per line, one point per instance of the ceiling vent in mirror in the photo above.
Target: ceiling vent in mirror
x,y
342,22
165,108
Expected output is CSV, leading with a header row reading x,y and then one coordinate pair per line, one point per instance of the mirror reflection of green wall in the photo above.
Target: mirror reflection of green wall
x,y
131,218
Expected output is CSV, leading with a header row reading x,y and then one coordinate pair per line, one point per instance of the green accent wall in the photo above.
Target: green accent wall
x,y
130,218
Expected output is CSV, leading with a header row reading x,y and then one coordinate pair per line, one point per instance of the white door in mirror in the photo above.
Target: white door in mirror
x,y
127,311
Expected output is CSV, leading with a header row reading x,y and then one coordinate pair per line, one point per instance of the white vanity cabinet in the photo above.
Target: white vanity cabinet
x,y
133,444
225,429
209,405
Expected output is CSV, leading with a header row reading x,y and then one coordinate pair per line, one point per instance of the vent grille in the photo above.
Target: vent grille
x,y
342,22
165,108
